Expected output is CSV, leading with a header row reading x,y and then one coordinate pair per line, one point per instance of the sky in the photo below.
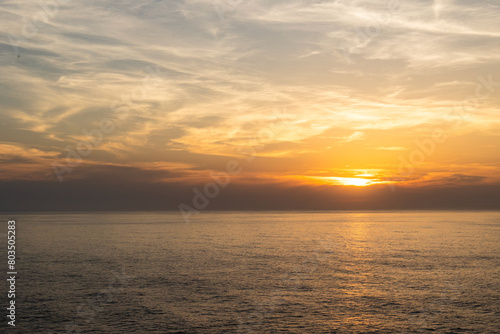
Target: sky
x,y
239,104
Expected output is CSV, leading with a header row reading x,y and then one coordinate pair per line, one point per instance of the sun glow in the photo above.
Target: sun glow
x,y
351,181
344,181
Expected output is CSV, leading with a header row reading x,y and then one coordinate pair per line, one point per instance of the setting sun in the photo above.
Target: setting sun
x,y
351,181
344,181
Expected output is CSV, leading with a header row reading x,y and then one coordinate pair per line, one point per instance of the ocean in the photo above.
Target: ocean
x,y
256,272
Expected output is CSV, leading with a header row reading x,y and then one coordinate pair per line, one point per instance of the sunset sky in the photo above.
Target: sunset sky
x,y
321,104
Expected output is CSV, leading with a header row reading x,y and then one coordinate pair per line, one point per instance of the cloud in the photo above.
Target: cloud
x,y
358,135
273,74
119,188
461,178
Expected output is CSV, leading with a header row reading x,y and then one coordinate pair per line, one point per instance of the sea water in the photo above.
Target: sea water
x,y
257,272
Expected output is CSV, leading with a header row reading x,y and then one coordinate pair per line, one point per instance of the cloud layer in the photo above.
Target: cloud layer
x,y
314,89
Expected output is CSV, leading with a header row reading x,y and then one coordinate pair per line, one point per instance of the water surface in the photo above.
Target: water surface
x,y
247,272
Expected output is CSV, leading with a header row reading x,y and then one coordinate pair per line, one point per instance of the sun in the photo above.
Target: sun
x,y
360,179
351,181
343,181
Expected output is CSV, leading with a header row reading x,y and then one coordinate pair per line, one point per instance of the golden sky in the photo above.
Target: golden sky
x,y
337,94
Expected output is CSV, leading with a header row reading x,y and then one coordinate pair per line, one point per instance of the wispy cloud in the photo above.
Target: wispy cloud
x,y
225,80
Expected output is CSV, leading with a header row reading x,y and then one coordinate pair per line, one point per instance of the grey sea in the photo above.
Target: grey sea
x,y
248,272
